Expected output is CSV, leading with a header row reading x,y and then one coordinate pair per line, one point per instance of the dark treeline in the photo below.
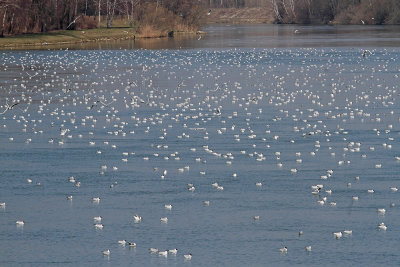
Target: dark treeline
x,y
322,11
31,16
337,11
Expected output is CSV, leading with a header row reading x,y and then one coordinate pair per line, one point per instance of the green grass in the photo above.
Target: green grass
x,y
65,37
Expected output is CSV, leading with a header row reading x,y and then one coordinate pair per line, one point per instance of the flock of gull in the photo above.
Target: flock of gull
x,y
321,124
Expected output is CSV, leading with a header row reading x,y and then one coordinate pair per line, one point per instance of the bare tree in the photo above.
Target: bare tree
x,y
292,8
5,5
275,7
99,13
129,10
110,4
4,20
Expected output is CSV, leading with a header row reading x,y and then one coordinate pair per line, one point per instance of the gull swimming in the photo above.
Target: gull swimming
x,y
163,253
187,256
348,232
382,226
173,251
137,218
99,226
153,250
337,235
122,242
382,211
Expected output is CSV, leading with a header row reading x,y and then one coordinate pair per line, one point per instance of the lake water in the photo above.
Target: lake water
x,y
241,106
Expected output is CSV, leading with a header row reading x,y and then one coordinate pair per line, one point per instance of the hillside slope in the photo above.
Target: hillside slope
x,y
240,15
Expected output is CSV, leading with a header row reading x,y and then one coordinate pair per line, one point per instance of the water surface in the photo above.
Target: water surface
x,y
282,116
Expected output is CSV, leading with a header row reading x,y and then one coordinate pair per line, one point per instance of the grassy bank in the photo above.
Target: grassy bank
x,y
120,31
66,37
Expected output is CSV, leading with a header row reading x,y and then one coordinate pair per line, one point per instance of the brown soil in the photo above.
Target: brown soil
x,y
240,15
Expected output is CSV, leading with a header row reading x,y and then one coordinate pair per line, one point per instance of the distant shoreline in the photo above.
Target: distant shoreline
x,y
247,15
353,15
61,38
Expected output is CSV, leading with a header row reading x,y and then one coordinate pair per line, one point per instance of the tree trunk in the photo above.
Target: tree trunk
x,y
292,8
98,25
309,8
76,8
127,10
110,12
276,10
108,6
10,28
284,7
4,20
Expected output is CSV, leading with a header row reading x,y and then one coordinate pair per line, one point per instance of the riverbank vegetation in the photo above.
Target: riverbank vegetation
x,y
148,18
64,38
320,11
158,18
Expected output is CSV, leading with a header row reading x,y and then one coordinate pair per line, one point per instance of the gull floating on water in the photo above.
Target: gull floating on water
x,y
122,242
153,250
99,226
382,226
173,251
163,253
187,256
337,235
137,218
348,232
382,211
